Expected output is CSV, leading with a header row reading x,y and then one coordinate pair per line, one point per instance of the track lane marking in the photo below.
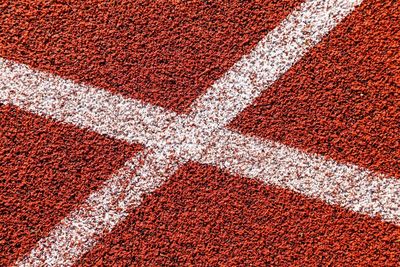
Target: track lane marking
x,y
346,185
102,211
176,139
269,60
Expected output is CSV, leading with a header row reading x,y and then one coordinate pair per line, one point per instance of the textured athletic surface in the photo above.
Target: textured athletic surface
x,y
200,133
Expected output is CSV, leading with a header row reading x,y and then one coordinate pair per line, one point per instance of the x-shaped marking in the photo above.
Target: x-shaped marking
x,y
171,140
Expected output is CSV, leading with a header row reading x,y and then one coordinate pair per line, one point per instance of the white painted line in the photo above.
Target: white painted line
x,y
176,139
269,60
346,185
102,211
135,121
83,106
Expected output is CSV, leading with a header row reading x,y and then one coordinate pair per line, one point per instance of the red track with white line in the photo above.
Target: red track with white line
x,y
195,133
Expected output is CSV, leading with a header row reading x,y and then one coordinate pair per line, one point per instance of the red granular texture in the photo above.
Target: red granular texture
x,y
342,99
204,217
163,52
47,170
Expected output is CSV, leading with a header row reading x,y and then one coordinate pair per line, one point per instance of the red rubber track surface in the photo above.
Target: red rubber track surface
x,y
205,217
48,169
342,99
163,52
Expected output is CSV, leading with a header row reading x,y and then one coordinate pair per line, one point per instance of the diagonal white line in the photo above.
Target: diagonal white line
x,y
102,211
197,136
238,154
272,57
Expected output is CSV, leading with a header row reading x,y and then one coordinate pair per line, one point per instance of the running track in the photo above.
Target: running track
x,y
199,133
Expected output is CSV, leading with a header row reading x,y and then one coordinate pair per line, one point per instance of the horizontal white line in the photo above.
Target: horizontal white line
x,y
346,185
198,136
83,106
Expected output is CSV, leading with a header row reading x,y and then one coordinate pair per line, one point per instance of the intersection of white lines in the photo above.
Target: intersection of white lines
x,y
171,140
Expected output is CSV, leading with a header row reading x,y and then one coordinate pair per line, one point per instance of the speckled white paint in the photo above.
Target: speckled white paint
x,y
80,230
171,139
346,185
